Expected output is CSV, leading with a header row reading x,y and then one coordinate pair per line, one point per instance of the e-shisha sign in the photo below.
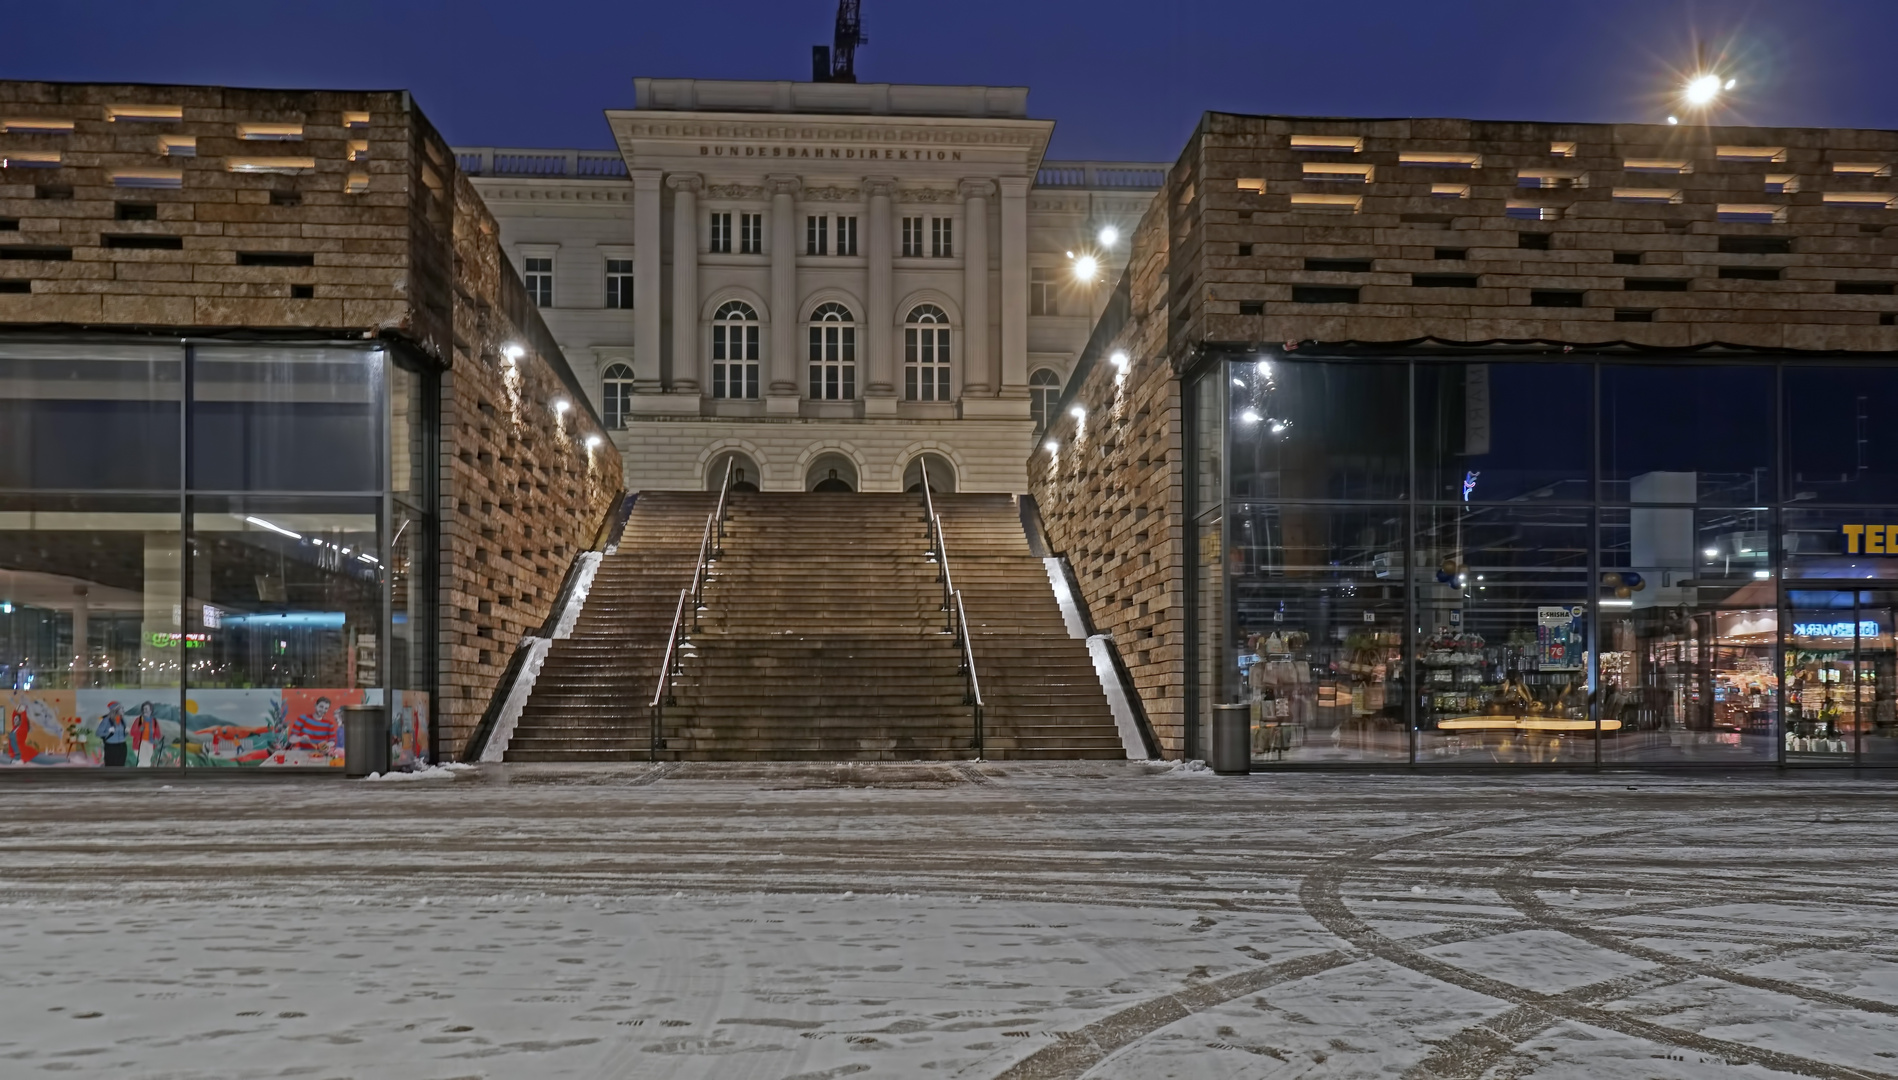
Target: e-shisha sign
x,y
1870,539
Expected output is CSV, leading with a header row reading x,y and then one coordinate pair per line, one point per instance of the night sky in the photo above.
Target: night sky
x,y
1125,80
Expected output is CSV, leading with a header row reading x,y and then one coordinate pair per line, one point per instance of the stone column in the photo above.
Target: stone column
x,y
686,361
646,263
879,355
1015,288
785,320
978,375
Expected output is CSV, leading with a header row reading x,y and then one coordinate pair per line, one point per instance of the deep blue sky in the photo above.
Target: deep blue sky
x,y
1125,80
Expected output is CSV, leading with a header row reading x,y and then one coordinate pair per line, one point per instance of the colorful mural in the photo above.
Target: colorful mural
x,y
143,728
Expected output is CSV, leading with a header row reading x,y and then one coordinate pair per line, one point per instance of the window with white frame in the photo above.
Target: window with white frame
x,y
616,394
1041,291
816,235
847,235
721,234
1044,389
619,284
735,351
912,238
942,240
538,274
833,353
751,234
926,354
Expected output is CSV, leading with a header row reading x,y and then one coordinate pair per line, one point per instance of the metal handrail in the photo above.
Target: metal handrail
x,y
968,667
957,618
670,663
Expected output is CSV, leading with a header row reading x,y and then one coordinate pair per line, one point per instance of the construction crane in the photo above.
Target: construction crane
x,y
837,62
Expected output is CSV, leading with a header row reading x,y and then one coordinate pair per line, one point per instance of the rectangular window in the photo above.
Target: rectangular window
x,y
735,359
751,234
912,238
816,235
926,363
540,281
619,284
942,238
847,235
1042,297
721,234
833,362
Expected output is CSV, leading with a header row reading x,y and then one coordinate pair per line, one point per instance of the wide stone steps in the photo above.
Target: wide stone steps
x,y
822,638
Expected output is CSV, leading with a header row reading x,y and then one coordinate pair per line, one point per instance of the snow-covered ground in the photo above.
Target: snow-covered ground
x,y
1104,920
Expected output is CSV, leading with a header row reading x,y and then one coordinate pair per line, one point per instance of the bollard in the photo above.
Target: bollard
x,y
1232,740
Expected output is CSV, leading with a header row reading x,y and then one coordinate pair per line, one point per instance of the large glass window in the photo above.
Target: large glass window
x,y
1318,430
286,419
1687,433
90,634
1502,597
735,351
1318,614
90,417
1840,442
220,607
1495,432
1600,559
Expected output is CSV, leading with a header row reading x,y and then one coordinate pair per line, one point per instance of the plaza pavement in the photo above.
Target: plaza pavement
x,y
990,921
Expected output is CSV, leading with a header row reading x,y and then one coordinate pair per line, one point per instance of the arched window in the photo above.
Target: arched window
x,y
926,354
616,394
735,351
1044,389
833,353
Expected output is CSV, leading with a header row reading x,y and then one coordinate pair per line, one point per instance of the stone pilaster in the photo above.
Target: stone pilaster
x,y
686,360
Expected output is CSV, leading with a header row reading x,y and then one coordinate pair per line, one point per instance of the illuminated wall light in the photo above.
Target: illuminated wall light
x,y
561,405
1051,446
273,527
1250,416
513,353
1078,413
1119,360
593,441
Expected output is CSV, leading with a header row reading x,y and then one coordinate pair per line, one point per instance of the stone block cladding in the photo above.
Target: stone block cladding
x,y
1112,493
1275,231
320,215
1475,231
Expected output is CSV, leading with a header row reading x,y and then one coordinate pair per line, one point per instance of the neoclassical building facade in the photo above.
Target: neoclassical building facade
x,y
821,283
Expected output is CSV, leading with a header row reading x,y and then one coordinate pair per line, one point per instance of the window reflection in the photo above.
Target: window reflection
x,y
1683,433
1502,603
1840,447
1317,430
1496,432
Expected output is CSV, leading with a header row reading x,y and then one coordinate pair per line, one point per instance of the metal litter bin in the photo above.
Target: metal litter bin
x,y
1232,739
365,740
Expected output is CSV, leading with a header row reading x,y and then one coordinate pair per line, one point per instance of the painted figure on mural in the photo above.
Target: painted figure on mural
x,y
145,736
317,732
113,734
18,748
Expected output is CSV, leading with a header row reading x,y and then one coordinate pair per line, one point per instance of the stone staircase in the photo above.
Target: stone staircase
x,y
1042,696
590,702
822,638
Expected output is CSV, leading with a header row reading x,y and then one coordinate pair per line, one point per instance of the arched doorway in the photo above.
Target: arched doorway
x,y
942,475
831,472
745,472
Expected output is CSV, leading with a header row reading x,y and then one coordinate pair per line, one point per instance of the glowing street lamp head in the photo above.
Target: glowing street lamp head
x,y
1109,236
1702,89
1250,416
1086,267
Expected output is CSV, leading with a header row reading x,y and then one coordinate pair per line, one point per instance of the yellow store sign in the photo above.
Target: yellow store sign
x,y
1870,539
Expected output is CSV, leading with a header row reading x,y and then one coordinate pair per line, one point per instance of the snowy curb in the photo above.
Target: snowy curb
x,y
446,771
1099,648
582,585
516,698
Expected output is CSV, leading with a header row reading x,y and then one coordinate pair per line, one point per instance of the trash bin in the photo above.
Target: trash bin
x,y
365,740
1232,739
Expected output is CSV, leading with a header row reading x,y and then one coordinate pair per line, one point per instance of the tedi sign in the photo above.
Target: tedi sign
x,y
1870,539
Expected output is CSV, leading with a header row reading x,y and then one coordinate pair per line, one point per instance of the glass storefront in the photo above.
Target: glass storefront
x,y
209,550
1571,560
